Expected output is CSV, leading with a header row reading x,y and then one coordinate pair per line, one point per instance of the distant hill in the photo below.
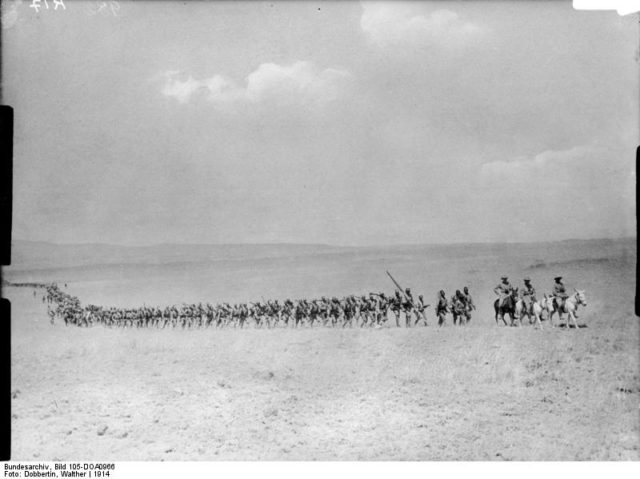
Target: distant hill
x,y
30,255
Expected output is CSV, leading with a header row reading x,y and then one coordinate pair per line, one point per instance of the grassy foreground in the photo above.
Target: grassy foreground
x,y
477,393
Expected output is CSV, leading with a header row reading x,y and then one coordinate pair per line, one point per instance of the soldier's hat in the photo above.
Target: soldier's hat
x,y
527,279
407,290
504,277
557,278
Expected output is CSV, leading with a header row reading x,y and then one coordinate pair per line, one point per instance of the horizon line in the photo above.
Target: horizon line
x,y
327,245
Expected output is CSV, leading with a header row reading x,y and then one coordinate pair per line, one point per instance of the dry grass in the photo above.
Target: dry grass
x,y
481,393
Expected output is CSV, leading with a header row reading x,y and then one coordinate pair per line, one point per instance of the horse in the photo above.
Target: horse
x,y
508,307
547,305
570,307
533,312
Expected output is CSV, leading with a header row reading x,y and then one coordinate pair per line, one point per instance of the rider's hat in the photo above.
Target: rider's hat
x,y
557,278
504,277
527,279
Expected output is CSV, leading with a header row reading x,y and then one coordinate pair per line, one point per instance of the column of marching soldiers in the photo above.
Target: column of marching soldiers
x,y
350,311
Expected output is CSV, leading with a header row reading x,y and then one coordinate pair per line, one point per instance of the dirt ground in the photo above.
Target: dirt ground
x,y
478,393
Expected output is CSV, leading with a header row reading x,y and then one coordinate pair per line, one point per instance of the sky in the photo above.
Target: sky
x,y
344,123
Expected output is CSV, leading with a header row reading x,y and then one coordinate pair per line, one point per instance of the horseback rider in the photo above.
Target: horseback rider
x,y
528,295
503,290
559,292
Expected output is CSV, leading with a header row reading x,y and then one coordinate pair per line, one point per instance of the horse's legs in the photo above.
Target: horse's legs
x,y
559,316
536,315
571,317
537,322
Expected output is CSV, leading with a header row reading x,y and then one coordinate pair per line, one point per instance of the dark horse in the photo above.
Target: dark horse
x,y
508,307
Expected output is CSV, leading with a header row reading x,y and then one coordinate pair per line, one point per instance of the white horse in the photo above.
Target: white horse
x,y
535,311
570,307
546,305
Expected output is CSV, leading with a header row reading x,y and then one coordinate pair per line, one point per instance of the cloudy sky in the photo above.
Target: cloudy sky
x,y
345,123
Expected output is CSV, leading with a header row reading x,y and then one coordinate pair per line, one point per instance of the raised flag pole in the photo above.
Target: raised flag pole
x,y
398,286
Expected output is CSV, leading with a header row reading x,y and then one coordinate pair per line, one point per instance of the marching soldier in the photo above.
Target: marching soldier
x,y
408,307
469,302
442,308
380,307
396,307
458,307
420,310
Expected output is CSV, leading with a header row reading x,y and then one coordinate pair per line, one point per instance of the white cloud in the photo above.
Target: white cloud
x,y
388,23
299,83
584,190
180,90
562,164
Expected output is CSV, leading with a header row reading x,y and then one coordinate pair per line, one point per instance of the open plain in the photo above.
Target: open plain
x,y
481,392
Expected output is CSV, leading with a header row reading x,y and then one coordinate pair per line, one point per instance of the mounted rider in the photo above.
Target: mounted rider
x,y
559,293
503,290
528,295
